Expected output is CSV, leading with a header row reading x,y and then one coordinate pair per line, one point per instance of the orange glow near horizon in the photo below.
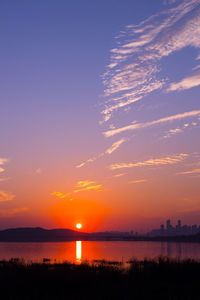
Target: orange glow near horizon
x,y
73,214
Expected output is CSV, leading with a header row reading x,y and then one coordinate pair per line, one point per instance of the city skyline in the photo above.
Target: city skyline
x,y
178,229
100,114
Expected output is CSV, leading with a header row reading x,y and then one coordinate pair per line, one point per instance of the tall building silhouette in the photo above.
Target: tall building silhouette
x,y
178,230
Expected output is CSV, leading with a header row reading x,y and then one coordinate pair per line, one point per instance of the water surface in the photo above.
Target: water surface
x,y
77,251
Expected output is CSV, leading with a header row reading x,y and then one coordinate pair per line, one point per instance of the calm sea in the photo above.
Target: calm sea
x,y
78,251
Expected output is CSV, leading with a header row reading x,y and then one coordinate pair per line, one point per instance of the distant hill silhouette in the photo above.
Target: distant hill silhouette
x,y
38,234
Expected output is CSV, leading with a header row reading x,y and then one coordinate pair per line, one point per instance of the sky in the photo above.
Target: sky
x,y
99,113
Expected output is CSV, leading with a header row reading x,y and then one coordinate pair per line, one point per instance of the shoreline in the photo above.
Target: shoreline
x,y
183,239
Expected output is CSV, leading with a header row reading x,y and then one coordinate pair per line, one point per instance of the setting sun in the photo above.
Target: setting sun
x,y
79,225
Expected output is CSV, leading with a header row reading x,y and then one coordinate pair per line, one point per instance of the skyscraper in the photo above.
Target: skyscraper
x,y
168,224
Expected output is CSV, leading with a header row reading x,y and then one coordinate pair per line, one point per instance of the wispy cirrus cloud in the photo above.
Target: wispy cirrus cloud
x,y
186,83
166,160
170,1
80,186
87,185
108,151
180,129
168,119
134,69
172,132
137,181
190,172
90,160
4,179
15,211
2,162
115,146
60,195
119,175
6,196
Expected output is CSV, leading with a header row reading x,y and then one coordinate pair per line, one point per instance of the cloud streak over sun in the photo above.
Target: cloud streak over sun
x,y
87,185
60,195
80,186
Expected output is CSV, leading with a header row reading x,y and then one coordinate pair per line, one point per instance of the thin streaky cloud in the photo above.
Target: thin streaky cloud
x,y
80,186
119,175
6,196
137,181
60,195
87,185
134,69
168,2
190,172
185,84
108,151
3,160
196,68
115,146
181,129
90,160
167,160
2,170
136,126
7,213
4,179
172,132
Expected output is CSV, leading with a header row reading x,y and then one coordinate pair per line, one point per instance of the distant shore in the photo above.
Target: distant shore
x,y
161,278
62,235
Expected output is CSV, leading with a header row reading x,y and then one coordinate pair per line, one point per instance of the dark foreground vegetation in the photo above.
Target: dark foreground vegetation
x,y
149,279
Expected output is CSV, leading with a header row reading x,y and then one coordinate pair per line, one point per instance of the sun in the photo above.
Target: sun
x,y
79,226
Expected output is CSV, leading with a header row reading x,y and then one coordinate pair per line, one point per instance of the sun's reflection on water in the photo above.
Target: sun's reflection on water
x,y
78,251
